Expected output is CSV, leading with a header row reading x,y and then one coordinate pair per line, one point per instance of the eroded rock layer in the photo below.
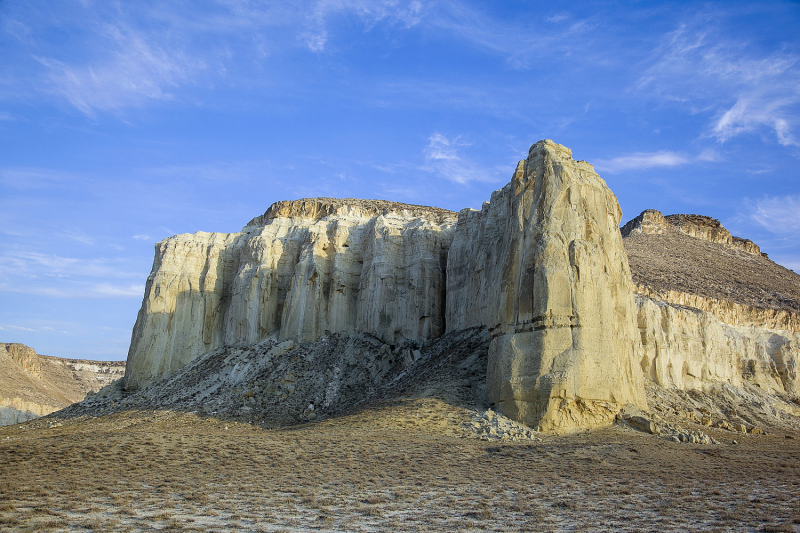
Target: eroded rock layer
x,y
543,266
303,270
712,309
688,349
542,269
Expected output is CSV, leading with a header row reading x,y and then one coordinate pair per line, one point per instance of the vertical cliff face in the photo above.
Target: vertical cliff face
x,y
543,266
24,356
689,349
302,270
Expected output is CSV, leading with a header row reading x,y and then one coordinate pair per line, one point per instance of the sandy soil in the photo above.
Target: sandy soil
x,y
397,466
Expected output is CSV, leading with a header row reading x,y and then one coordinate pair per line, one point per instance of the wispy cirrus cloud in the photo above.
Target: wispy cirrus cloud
x,y
41,265
405,13
33,177
135,69
745,90
443,157
774,222
662,158
44,329
78,290
776,214
18,328
124,56
641,160
521,41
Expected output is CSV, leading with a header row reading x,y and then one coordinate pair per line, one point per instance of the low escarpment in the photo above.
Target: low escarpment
x,y
33,385
711,307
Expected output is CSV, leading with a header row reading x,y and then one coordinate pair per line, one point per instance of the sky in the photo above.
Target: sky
x,y
123,123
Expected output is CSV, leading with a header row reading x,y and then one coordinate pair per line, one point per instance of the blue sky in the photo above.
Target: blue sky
x,y
122,123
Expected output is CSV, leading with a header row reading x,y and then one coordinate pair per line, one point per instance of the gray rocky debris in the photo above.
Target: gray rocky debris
x,y
493,426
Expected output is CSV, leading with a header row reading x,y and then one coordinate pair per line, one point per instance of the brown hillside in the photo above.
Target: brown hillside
x,y
664,257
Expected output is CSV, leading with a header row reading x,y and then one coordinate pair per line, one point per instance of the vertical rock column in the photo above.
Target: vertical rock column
x,y
559,291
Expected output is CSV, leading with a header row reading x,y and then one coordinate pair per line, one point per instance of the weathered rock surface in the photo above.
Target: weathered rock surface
x,y
304,269
541,270
33,385
276,383
543,267
689,349
711,308
709,229
24,356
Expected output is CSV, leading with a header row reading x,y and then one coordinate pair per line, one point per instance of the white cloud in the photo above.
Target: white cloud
x,y
76,290
641,160
134,54
400,12
133,70
33,178
521,43
20,328
443,158
663,158
41,265
142,237
710,155
114,291
776,214
440,148
558,17
747,91
78,237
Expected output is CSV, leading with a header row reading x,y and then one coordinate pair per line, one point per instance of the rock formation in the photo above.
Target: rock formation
x,y
709,229
33,385
304,269
543,267
711,307
541,276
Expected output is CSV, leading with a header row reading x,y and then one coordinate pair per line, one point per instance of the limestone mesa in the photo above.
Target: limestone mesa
x,y
542,267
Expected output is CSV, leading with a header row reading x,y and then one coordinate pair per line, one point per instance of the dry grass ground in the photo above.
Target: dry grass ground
x,y
389,468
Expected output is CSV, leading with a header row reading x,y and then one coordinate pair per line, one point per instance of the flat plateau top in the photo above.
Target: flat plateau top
x,y
676,261
318,208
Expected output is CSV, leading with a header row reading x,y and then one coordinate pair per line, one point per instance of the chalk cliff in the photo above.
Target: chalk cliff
x,y
304,269
579,314
711,307
542,265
